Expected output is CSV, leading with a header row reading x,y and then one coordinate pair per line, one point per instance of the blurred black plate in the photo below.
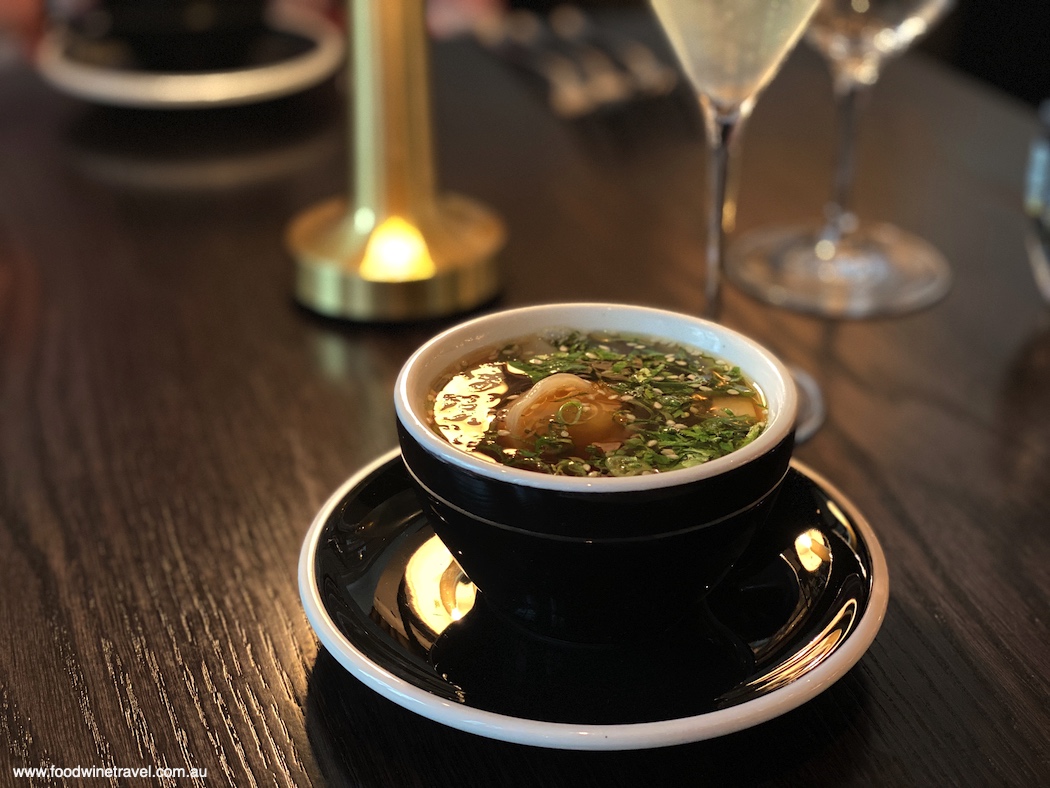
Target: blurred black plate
x,y
289,53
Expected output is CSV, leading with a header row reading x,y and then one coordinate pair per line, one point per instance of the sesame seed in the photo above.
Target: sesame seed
x,y
732,391
503,433
657,405
565,433
651,443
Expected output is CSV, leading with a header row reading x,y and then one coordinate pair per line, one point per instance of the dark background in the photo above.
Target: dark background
x,y
1003,42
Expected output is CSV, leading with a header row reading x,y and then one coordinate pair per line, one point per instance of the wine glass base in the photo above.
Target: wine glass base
x,y
876,270
811,409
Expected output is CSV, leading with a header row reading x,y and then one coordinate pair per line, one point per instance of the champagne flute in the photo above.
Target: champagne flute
x,y
730,50
847,268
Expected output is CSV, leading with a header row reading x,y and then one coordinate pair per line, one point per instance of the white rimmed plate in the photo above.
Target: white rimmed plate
x,y
392,607
98,83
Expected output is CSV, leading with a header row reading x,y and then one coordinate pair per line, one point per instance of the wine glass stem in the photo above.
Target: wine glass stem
x,y
720,131
839,212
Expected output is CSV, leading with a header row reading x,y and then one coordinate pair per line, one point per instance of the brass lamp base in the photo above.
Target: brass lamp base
x,y
460,238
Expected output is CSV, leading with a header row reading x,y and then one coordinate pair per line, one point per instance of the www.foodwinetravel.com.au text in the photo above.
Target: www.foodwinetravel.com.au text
x,y
53,772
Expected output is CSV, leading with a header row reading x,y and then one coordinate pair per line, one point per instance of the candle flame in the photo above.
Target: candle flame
x,y
396,252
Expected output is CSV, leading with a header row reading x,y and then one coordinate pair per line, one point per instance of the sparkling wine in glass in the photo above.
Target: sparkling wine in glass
x,y
730,50
848,268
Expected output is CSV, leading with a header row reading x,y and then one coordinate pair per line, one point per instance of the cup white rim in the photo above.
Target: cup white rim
x,y
439,354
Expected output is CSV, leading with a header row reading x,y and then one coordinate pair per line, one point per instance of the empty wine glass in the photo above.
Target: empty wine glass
x,y
730,50
848,268
1037,203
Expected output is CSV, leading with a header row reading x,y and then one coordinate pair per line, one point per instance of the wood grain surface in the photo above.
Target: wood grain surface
x,y
170,421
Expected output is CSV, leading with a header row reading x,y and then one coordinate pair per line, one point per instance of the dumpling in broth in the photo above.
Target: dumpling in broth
x,y
568,405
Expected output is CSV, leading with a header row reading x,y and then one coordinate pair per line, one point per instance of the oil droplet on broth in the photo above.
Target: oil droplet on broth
x,y
465,407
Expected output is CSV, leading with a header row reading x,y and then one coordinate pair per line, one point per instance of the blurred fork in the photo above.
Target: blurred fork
x,y
584,69
649,76
518,38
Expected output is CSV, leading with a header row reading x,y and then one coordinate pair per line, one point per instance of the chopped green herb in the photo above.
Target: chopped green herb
x,y
664,406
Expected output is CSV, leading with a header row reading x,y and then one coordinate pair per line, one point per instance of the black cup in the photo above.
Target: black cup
x,y
594,560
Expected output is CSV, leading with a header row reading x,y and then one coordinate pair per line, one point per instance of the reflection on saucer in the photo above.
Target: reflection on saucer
x,y
237,169
225,148
390,603
294,52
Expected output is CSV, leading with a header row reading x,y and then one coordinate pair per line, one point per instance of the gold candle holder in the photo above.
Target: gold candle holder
x,y
398,251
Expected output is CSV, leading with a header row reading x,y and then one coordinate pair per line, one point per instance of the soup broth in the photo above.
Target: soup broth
x,y
597,404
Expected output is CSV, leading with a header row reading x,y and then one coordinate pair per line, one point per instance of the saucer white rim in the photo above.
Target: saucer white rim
x,y
567,736
153,90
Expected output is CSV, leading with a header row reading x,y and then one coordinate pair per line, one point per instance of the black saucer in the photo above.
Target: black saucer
x,y
386,598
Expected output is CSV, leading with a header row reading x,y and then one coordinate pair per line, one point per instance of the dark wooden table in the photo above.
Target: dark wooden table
x,y
170,422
